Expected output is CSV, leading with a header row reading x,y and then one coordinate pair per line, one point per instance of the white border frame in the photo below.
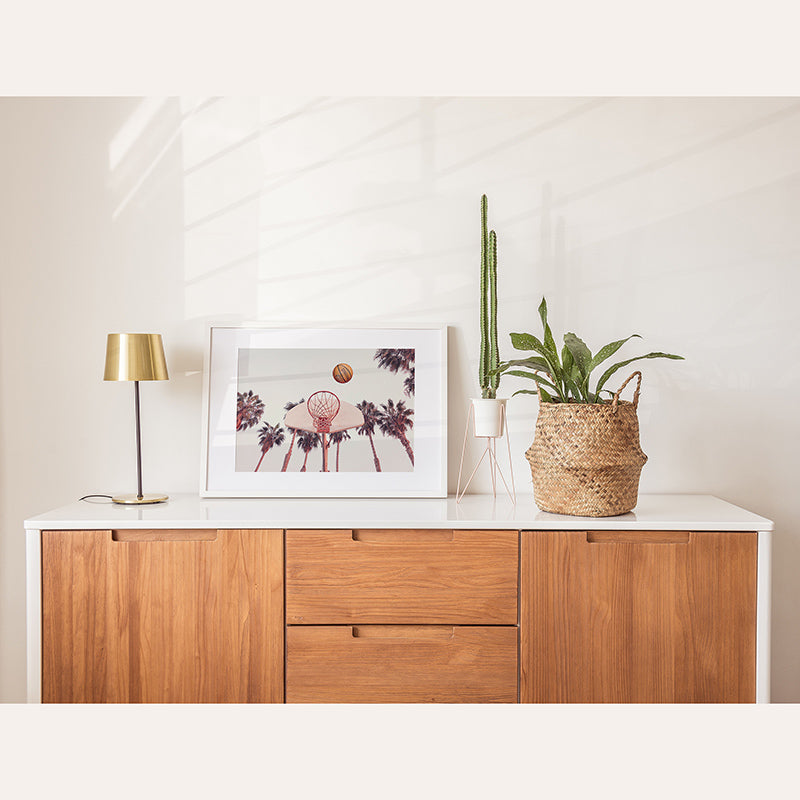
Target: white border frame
x,y
33,574
764,618
429,477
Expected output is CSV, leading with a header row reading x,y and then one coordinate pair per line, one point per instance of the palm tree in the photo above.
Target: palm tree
x,y
307,441
288,407
408,383
370,413
268,437
395,359
394,420
337,438
249,409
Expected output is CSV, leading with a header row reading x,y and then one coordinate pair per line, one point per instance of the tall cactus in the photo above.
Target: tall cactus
x,y
489,354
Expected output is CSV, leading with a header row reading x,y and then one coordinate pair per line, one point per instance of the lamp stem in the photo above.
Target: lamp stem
x,y
139,494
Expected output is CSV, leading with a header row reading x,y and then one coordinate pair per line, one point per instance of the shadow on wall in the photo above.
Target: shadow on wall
x,y
365,209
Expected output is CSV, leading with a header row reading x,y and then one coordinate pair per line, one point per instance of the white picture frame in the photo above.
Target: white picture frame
x,y
414,468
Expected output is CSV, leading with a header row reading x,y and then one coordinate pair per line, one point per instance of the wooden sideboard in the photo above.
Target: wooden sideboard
x,y
310,601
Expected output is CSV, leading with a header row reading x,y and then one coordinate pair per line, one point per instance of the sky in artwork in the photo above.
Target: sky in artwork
x,y
280,376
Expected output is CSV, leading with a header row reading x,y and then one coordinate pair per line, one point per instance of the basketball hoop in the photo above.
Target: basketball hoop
x,y
322,408
322,413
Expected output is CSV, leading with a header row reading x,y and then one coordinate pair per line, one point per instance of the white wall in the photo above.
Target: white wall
x,y
673,218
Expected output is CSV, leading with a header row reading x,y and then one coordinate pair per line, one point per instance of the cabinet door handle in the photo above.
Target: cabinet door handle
x,y
163,536
638,537
401,537
428,633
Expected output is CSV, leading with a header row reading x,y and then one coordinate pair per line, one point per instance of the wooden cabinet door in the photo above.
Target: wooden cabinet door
x,y
642,617
401,664
162,616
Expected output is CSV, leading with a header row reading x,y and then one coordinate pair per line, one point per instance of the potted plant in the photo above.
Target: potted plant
x,y
585,458
488,410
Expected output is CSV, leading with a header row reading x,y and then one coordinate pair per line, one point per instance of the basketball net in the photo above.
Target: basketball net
x,y
322,408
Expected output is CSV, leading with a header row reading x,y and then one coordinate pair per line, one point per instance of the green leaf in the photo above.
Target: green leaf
x,y
611,370
606,352
549,341
584,388
533,376
581,354
566,359
527,341
543,312
532,362
567,363
545,396
572,382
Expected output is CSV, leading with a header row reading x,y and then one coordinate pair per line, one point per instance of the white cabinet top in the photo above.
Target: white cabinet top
x,y
654,512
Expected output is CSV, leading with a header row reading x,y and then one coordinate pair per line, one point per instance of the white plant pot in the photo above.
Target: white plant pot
x,y
488,416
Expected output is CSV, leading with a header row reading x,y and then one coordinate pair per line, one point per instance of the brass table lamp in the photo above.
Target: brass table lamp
x,y
136,357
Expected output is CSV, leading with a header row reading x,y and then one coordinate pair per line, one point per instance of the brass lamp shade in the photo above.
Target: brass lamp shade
x,y
135,357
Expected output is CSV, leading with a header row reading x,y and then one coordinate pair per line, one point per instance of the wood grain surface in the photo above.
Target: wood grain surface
x,y
623,621
404,577
84,619
401,664
157,620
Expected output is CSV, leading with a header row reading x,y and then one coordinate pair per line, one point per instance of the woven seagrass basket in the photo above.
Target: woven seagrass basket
x,y
585,458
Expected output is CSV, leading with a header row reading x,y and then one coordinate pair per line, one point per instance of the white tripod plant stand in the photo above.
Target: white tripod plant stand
x,y
488,418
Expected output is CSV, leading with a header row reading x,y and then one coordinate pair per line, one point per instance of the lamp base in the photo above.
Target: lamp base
x,y
135,500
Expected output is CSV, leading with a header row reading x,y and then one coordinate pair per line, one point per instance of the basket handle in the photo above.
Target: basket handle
x,y
638,376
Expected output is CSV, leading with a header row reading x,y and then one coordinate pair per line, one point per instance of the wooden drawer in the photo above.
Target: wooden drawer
x,y
402,577
401,664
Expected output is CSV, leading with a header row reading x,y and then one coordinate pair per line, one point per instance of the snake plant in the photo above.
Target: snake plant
x,y
565,379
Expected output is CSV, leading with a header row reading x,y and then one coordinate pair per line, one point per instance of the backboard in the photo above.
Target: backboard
x,y
347,417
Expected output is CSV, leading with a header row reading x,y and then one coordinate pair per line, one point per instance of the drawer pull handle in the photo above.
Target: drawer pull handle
x,y
638,537
401,537
163,536
428,633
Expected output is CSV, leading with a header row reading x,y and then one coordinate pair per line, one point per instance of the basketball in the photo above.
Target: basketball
x,y
342,373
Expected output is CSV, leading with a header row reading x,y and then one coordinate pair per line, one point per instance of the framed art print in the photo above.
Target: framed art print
x,y
292,412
